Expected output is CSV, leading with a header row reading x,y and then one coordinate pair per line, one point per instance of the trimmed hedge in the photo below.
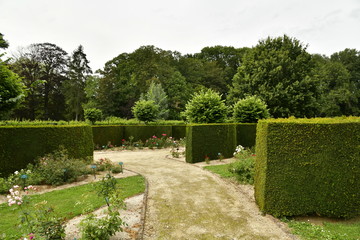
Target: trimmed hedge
x,y
209,140
178,131
144,132
20,145
309,166
104,134
246,134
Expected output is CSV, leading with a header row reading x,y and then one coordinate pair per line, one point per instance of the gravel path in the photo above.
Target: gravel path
x,y
187,202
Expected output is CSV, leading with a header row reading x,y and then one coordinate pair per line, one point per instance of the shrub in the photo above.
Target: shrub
x,y
146,111
58,168
243,167
93,114
250,110
308,166
206,107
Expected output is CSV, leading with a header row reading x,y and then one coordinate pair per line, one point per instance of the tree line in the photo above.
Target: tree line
x,y
51,84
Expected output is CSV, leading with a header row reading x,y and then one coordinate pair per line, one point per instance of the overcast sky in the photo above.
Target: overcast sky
x,y
109,27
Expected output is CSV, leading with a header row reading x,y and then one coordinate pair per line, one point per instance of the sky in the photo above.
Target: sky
x,y
108,28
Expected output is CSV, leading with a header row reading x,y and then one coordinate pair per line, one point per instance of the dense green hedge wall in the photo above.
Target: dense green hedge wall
x,y
104,134
178,131
309,166
246,134
209,140
20,145
144,132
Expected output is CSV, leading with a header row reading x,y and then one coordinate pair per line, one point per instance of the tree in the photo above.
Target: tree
x,y
278,71
250,110
178,92
11,89
157,94
43,67
206,107
146,111
338,96
93,114
3,43
226,57
74,86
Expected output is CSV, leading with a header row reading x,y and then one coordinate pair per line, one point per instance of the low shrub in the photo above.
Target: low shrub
x,y
58,168
244,166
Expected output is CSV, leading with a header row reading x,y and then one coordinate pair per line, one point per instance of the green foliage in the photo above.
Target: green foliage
x,y
3,43
209,140
278,71
43,69
11,89
178,92
102,135
339,94
243,167
246,134
157,94
178,131
146,111
74,86
250,110
308,166
206,107
93,114
21,145
58,168
101,228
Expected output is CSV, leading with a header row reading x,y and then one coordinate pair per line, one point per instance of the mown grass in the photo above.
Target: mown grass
x,y
68,203
222,170
328,231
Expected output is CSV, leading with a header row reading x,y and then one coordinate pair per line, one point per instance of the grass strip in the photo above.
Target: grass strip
x,y
69,202
328,231
222,170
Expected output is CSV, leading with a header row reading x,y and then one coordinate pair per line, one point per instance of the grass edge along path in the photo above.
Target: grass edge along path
x,y
307,231
69,203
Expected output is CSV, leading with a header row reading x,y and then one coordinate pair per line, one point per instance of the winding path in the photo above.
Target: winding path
x,y
187,202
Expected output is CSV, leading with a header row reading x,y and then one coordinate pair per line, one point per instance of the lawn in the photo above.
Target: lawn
x,y
68,203
222,170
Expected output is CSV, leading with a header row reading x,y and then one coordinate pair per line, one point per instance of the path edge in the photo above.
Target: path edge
x,y
140,235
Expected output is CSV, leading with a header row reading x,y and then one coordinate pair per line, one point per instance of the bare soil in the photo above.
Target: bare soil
x,y
186,202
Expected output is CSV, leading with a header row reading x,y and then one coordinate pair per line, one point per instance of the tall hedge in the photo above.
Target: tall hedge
x,y
144,132
178,131
102,135
209,140
309,166
20,145
246,134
